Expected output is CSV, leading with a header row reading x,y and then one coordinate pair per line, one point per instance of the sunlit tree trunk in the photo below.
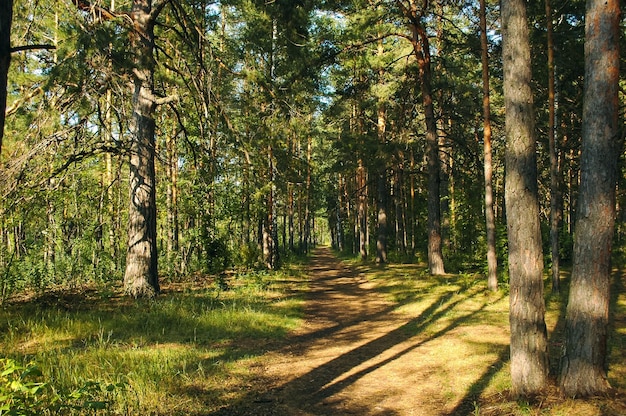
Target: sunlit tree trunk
x,y
490,219
171,197
583,365
529,347
141,276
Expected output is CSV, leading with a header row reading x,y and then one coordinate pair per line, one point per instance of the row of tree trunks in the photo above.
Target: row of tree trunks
x,y
583,364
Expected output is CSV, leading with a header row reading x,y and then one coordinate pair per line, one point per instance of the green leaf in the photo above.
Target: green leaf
x,y
96,405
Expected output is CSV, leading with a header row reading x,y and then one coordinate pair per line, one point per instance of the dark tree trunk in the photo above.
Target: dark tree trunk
x,y
583,366
421,49
6,17
529,347
141,276
362,210
435,255
381,239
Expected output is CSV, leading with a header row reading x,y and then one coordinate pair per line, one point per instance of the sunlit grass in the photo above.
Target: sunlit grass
x,y
191,347
471,326
196,348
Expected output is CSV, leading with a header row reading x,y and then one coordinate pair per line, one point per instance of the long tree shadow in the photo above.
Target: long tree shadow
x,y
334,376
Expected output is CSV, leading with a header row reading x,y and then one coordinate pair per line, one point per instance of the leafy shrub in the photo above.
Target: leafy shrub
x,y
23,392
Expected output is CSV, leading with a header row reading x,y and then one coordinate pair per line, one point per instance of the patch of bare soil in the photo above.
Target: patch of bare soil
x,y
355,354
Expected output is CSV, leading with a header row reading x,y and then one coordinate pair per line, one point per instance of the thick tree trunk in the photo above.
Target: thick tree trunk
x,y
435,255
529,347
141,276
583,366
490,219
6,17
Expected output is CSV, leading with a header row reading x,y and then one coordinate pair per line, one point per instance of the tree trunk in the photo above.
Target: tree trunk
x,y
141,276
529,347
171,200
490,219
381,239
362,210
6,16
554,172
435,256
583,371
381,124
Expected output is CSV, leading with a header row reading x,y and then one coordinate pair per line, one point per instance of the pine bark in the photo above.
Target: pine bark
x,y
583,365
6,17
141,276
421,49
529,347
490,219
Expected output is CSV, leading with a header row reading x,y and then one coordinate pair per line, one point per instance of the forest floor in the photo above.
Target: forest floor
x,y
370,349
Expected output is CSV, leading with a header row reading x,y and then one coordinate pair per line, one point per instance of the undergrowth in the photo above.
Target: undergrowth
x,y
81,353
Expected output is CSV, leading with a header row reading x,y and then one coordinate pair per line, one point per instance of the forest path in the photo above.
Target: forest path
x,y
356,353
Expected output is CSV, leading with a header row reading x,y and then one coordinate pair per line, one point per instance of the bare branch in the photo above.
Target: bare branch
x,y
31,48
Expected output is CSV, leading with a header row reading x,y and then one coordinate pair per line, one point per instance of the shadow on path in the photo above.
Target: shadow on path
x,y
351,331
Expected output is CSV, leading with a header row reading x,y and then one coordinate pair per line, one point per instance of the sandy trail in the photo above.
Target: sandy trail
x,y
356,353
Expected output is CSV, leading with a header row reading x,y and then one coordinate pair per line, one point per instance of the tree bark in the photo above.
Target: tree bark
x,y
529,347
6,17
421,49
141,276
490,219
435,255
583,365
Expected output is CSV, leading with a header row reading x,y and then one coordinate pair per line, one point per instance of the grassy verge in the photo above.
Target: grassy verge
x,y
190,349
470,328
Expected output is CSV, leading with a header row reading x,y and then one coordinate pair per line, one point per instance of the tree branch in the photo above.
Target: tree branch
x,y
31,47
157,8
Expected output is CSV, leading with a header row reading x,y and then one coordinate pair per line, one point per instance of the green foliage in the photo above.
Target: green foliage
x,y
183,350
24,393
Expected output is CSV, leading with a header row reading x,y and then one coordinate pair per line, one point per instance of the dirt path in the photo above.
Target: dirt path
x,y
357,353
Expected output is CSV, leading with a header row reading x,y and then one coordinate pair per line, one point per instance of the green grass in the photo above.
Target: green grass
x,y
192,346
480,321
196,348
